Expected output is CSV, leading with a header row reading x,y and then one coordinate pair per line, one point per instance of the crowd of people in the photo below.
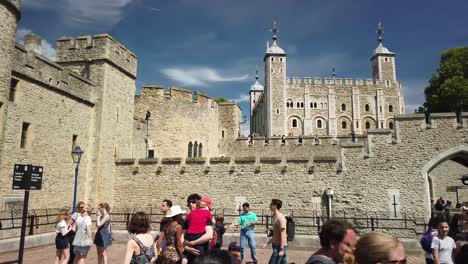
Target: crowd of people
x,y
196,236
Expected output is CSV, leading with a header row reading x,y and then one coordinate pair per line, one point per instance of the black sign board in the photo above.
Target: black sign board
x,y
27,177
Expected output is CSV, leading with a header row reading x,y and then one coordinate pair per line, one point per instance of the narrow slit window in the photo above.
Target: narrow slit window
x,y
190,147
294,123
344,125
319,123
74,141
13,85
24,135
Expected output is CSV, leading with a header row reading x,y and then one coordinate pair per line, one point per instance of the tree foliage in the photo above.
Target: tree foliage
x,y
221,99
448,88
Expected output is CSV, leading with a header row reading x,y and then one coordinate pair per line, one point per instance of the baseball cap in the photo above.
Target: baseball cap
x,y
208,202
234,247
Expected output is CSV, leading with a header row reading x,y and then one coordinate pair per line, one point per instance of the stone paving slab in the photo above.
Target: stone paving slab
x,y
46,254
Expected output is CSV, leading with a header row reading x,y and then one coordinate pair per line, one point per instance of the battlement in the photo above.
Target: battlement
x,y
39,69
95,48
319,81
177,93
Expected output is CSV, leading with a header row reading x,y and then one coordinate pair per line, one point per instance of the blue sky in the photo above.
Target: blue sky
x,y
214,45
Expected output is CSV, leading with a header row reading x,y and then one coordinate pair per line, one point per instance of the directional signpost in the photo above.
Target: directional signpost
x,y
26,177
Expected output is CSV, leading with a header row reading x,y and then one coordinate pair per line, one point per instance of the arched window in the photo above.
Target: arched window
x,y
311,105
319,123
298,104
294,123
367,125
302,105
315,105
343,107
367,108
390,125
321,105
287,104
200,147
195,149
390,108
190,146
344,125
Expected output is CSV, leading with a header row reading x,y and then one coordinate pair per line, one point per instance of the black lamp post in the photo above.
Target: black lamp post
x,y
76,155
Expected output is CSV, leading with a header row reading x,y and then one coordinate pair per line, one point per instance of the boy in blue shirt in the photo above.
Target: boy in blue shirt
x,y
247,221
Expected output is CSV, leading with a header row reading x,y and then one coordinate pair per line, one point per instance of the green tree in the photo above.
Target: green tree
x,y
448,88
221,99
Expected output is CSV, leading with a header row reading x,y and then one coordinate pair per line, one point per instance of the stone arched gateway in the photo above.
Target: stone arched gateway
x,y
458,153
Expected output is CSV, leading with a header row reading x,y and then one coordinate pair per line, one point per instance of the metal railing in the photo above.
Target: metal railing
x,y
306,223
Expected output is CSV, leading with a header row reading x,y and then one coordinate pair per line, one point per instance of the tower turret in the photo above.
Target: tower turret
x,y
383,61
275,85
255,91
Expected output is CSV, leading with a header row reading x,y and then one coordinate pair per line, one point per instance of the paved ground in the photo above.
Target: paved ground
x,y
46,254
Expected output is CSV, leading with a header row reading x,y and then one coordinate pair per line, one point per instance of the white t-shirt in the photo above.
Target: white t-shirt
x,y
445,246
82,222
59,226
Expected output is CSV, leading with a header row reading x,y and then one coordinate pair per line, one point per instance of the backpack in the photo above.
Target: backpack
x,y
426,241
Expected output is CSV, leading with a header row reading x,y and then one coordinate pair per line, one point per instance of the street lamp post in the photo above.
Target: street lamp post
x,y
76,155
329,194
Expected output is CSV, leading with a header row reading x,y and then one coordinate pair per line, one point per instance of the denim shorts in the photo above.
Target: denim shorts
x,y
82,251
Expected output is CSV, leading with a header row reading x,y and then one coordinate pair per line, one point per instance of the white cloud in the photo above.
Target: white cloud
x,y
89,12
198,76
243,98
48,50
245,129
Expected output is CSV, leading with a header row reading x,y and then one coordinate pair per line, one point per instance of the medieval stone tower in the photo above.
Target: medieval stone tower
x,y
325,106
9,15
112,68
275,84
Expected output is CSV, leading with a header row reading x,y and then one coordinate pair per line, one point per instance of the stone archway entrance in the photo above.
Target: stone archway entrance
x,y
442,174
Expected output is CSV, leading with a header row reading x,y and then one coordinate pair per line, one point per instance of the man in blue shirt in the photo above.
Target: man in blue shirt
x,y
247,221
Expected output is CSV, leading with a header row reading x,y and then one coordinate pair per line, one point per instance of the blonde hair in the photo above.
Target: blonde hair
x,y
371,248
63,215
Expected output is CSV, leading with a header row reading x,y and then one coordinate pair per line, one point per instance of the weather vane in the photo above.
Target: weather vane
x,y
256,72
380,32
333,71
274,30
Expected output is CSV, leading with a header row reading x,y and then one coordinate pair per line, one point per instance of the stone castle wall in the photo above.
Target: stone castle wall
x,y
448,174
178,117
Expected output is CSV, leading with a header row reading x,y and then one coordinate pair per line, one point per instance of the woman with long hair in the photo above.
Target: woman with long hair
x,y
375,248
103,238
83,237
61,241
173,234
443,245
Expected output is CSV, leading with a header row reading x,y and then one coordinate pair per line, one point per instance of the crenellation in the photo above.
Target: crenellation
x,y
359,82
318,80
308,80
369,82
348,81
329,81
297,80
337,81
98,47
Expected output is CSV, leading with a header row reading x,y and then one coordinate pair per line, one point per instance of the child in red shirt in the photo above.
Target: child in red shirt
x,y
196,221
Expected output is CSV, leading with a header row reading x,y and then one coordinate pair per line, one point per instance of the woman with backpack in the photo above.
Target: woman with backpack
x,y
141,248
426,239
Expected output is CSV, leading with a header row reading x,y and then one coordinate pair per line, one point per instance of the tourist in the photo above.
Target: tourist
x,y
448,205
173,236
71,234
443,245
462,255
426,239
279,238
220,229
83,237
61,240
141,248
334,237
196,222
165,209
235,250
103,238
373,248
439,206
247,221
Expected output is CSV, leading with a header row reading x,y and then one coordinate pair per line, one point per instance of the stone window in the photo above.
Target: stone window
x,y
367,125
150,153
13,85
294,123
272,59
298,104
390,125
190,147
321,105
319,123
386,59
357,124
74,141
195,149
311,105
277,111
315,105
24,135
281,59
222,133
200,148
388,83
380,108
254,101
343,107
302,105
367,108
390,108
344,125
